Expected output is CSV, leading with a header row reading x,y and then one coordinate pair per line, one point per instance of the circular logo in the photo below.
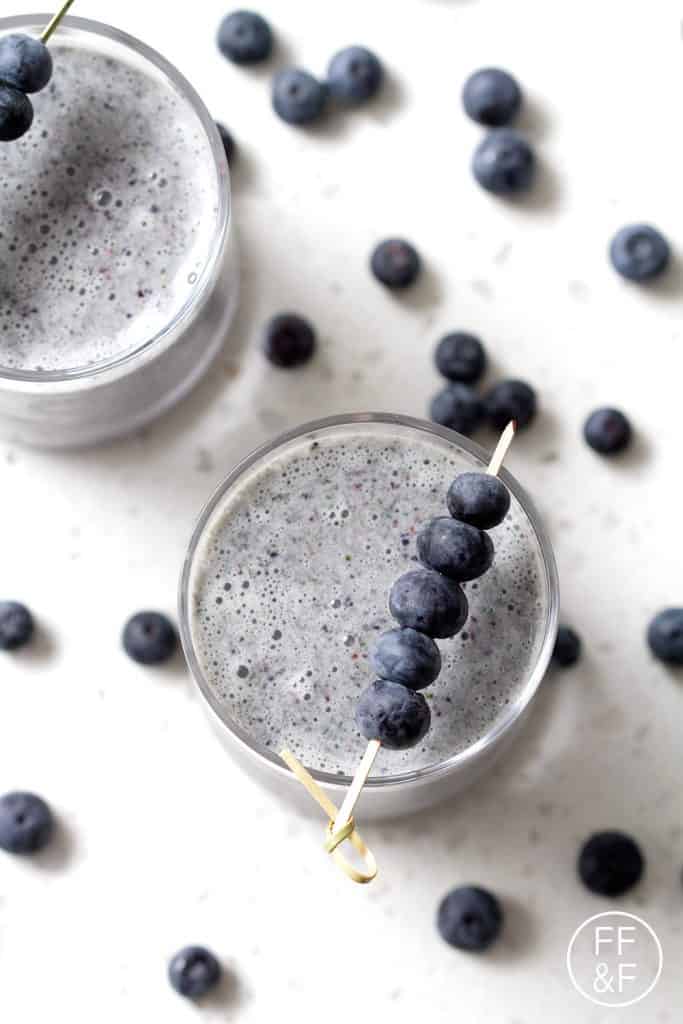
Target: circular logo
x,y
614,959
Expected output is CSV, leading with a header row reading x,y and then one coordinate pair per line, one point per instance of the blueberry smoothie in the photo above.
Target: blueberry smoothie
x,y
287,593
109,205
112,207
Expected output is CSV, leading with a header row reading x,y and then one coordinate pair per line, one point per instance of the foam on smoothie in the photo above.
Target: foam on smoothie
x,y
108,211
290,590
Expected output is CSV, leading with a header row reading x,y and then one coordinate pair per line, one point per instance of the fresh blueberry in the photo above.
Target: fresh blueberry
x,y
16,625
406,657
455,549
26,823
567,647
510,400
395,263
607,431
288,341
392,713
504,163
194,971
228,142
16,113
149,638
460,356
354,75
639,252
25,63
610,863
298,97
244,37
491,97
469,918
479,499
457,407
427,601
665,636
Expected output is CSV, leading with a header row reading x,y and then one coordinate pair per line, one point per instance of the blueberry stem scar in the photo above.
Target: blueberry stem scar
x,y
334,841
341,826
54,22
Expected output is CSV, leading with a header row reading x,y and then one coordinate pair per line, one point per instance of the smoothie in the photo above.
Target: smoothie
x,y
113,206
289,590
109,206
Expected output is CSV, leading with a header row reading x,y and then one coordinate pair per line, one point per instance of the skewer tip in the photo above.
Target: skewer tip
x,y
55,21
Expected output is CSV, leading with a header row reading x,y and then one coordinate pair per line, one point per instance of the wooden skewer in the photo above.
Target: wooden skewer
x,y
348,831
360,778
341,822
54,21
501,449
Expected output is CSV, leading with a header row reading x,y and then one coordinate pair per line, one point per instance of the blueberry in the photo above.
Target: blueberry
x,y
298,97
478,499
244,37
194,971
16,625
16,113
457,407
26,823
393,714
395,263
504,163
607,431
567,647
228,142
665,636
354,75
288,341
469,918
406,657
639,252
457,550
25,63
510,400
427,601
460,357
610,863
149,638
491,97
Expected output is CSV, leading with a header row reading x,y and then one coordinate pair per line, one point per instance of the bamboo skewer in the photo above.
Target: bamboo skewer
x,y
341,825
55,20
501,449
360,778
336,838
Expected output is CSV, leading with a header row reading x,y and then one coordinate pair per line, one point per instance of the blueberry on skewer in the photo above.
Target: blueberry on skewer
x,y
25,62
25,67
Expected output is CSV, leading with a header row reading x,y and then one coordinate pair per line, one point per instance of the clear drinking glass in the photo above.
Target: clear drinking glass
x,y
392,794
91,403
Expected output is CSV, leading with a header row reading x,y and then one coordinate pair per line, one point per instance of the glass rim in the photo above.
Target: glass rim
x,y
504,723
36,381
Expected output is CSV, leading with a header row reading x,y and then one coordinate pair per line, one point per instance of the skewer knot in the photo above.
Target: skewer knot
x,y
336,838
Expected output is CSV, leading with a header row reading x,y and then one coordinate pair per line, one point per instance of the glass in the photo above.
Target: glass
x,y
92,403
387,795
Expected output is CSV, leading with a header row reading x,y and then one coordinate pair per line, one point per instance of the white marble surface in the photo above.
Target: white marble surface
x,y
163,842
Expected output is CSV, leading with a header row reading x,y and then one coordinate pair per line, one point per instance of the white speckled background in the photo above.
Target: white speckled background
x,y
163,842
